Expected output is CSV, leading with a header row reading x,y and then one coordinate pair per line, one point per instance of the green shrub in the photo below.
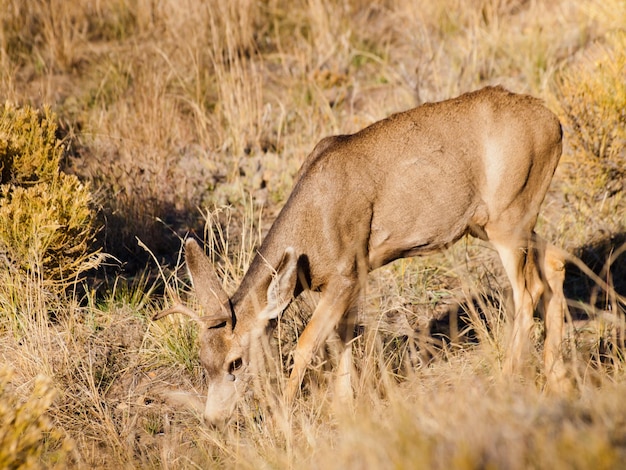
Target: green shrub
x,y
46,216
26,433
29,151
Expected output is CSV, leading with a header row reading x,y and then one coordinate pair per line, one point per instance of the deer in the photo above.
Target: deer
x,y
414,183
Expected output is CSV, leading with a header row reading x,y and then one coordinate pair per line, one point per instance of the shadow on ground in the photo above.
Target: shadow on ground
x,y
607,259
463,322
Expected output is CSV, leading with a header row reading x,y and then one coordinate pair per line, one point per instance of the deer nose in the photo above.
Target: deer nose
x,y
217,422
212,423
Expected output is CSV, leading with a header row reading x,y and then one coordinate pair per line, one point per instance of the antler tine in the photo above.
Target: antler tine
x,y
177,308
209,320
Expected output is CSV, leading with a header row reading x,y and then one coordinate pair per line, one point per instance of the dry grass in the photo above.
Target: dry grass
x,y
172,108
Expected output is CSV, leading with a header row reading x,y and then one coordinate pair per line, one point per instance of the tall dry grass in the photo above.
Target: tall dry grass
x,y
171,109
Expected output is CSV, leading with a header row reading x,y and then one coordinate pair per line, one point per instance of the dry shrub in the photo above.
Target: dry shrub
x,y
591,101
592,94
46,216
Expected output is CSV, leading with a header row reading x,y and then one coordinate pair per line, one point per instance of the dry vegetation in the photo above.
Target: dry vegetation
x,y
169,111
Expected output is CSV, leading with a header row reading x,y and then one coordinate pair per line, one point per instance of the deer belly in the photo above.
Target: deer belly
x,y
403,233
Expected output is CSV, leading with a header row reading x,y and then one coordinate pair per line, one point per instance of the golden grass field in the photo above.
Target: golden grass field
x,y
192,117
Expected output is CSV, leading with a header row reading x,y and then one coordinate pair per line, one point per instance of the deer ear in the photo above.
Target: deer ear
x,y
212,297
281,289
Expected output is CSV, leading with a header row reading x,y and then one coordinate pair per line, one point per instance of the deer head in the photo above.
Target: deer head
x,y
226,330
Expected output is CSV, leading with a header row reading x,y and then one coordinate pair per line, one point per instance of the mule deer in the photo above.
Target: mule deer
x,y
410,184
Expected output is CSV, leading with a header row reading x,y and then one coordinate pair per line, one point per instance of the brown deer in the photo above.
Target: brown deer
x,y
410,184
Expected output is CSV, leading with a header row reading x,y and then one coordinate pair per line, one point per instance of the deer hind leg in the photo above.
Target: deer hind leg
x,y
519,264
552,265
331,308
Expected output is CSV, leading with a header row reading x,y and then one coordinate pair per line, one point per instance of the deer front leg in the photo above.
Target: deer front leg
x,y
343,382
333,305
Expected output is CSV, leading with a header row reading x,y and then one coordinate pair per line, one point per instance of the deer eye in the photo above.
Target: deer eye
x,y
235,365
218,326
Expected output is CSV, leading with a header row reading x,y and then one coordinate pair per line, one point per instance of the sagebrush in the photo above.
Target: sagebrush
x,y
47,217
